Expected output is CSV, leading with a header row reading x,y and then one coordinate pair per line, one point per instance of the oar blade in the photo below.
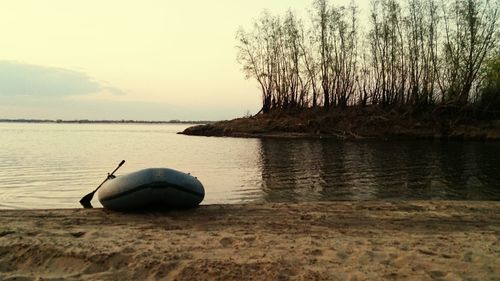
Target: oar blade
x,y
85,201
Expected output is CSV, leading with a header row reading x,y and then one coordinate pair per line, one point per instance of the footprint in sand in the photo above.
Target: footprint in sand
x,y
436,274
77,234
249,239
226,242
128,250
6,232
343,255
316,252
19,278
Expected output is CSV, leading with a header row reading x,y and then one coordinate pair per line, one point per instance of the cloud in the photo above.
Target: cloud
x,y
38,92
18,79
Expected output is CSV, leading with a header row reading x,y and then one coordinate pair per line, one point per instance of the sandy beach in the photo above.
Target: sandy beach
x,y
410,240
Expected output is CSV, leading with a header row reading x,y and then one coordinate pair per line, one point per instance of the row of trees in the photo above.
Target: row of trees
x,y
413,53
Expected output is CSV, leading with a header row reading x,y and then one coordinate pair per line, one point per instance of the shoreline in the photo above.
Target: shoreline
x,y
365,123
344,240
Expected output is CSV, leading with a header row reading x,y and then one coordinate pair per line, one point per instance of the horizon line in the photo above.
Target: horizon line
x,y
102,121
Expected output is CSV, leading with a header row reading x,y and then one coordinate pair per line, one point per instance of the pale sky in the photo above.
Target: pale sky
x,y
137,59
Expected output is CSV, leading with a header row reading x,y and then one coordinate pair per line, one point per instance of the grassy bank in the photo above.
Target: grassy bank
x,y
360,123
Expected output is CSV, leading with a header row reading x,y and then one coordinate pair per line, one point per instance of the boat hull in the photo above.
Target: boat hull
x,y
152,188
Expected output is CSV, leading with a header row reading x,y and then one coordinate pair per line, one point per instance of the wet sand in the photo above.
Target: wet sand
x,y
411,240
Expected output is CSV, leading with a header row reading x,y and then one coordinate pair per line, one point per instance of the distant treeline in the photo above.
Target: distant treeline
x,y
85,121
413,53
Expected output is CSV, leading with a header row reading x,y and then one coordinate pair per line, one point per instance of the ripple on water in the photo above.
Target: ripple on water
x,y
54,165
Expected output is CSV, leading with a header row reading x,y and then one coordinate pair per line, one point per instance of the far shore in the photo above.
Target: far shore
x,y
86,121
359,240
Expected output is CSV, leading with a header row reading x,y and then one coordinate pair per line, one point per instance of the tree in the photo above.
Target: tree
x,y
489,99
470,34
321,17
255,55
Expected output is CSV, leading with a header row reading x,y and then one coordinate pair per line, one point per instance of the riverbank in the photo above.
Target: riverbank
x,y
422,240
359,123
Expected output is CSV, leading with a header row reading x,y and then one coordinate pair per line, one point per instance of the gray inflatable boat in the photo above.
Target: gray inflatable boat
x,y
152,188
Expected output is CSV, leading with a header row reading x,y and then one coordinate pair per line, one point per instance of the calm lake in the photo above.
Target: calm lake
x,y
54,165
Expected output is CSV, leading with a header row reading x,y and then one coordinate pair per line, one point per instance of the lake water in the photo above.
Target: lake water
x,y
54,165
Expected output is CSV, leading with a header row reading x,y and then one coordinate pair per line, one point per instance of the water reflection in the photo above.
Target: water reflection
x,y
309,170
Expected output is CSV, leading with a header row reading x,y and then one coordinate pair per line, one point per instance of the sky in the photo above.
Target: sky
x,y
137,59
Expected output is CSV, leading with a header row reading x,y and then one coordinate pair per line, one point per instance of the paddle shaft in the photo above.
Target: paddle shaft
x,y
85,201
109,175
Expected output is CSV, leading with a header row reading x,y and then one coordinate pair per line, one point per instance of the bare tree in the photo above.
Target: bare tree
x,y
254,54
470,33
321,18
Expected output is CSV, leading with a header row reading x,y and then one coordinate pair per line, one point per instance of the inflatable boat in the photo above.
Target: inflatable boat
x,y
151,188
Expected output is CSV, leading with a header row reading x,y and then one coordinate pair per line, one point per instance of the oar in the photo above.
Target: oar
x,y
85,201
